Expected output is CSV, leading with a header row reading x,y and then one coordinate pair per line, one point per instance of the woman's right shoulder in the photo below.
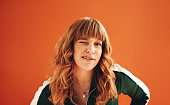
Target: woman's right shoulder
x,y
42,94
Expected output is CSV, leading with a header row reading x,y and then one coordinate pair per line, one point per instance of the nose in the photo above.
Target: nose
x,y
91,49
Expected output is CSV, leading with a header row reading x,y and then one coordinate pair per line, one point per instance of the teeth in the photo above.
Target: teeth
x,y
87,58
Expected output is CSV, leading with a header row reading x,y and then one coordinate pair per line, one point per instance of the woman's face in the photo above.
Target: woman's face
x,y
87,53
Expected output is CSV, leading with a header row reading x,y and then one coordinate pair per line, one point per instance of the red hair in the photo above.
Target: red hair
x,y
62,78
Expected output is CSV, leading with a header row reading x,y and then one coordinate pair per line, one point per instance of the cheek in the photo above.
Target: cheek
x,y
77,51
99,53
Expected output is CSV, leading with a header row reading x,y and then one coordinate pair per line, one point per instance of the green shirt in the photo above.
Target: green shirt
x,y
126,83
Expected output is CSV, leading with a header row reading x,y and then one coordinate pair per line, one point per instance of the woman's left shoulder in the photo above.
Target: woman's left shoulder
x,y
127,76
120,71
130,84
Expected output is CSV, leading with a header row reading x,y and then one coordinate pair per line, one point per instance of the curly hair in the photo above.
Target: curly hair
x,y
61,82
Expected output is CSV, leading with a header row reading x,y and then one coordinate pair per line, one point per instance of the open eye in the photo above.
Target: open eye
x,y
98,44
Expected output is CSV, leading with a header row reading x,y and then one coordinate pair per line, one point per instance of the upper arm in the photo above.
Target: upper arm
x,y
133,87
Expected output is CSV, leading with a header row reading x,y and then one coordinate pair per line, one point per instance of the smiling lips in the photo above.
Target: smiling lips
x,y
88,58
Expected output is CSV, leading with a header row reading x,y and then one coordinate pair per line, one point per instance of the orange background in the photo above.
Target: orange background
x,y
139,31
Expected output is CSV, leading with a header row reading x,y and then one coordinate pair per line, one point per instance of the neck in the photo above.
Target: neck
x,y
82,77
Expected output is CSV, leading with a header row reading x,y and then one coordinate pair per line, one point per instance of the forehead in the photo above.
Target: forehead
x,y
88,37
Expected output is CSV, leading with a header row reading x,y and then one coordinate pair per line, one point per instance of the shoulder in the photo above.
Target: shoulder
x,y
42,92
127,83
118,70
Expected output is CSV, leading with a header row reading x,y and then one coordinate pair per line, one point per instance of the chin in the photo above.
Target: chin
x,y
88,68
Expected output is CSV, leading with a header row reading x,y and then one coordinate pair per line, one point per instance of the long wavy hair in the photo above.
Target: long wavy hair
x,y
61,83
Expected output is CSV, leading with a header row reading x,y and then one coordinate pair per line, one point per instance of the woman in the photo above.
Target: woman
x,y
84,72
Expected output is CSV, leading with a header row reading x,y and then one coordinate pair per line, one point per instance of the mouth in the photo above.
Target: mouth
x,y
88,58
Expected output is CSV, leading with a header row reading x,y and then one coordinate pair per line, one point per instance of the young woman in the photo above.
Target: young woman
x,y
84,72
